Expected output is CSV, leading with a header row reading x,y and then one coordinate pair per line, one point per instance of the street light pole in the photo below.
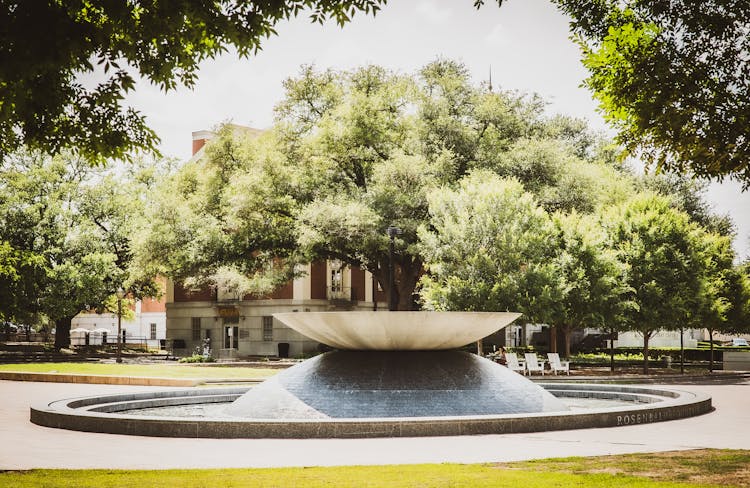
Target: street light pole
x,y
120,295
392,233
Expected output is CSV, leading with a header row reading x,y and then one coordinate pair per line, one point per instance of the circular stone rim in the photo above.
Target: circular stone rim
x,y
77,414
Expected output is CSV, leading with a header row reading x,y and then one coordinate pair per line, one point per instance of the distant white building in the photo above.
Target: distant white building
x,y
663,338
148,326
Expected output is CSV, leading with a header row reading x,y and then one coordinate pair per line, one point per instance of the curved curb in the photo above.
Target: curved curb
x,y
94,414
97,379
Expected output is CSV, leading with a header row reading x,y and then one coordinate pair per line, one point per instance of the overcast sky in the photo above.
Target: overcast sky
x,y
525,44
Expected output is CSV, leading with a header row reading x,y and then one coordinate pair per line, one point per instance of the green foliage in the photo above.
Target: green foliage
x,y
352,153
590,278
227,220
374,145
604,358
672,77
65,229
677,271
688,195
723,302
488,247
652,239
197,358
44,104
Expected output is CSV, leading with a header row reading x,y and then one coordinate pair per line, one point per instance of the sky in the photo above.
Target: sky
x,y
525,45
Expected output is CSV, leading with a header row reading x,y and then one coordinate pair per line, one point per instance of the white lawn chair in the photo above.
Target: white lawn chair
x,y
556,365
511,361
533,363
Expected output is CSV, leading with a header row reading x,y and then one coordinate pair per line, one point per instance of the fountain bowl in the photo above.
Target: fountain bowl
x,y
397,331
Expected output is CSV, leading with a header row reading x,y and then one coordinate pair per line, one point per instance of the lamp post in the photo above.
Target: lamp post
x,y
120,295
392,233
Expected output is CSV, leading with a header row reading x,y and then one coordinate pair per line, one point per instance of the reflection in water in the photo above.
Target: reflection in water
x,y
216,410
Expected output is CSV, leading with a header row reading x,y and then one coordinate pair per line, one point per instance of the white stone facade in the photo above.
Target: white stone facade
x,y
239,328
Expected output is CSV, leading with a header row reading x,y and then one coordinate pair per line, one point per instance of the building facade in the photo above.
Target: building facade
x,y
235,327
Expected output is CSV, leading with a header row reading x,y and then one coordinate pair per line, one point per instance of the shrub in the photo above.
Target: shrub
x,y
197,358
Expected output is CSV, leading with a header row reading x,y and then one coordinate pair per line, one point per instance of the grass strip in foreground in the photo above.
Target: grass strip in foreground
x,y
722,467
182,371
703,468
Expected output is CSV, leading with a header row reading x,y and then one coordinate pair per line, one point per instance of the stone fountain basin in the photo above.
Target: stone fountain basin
x,y
397,331
107,414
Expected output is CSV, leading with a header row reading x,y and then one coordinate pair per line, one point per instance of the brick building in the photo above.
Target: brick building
x,y
244,326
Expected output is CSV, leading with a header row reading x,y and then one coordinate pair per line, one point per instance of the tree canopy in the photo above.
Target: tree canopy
x,y
353,152
673,77
660,248
489,246
65,232
44,104
593,288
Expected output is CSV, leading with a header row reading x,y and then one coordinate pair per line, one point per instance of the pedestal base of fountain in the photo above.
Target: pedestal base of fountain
x,y
387,384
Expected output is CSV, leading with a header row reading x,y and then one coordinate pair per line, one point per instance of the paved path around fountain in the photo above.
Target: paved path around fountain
x,y
25,445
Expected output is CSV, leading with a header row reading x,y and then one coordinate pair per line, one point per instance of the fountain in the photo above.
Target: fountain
x,y
391,374
399,364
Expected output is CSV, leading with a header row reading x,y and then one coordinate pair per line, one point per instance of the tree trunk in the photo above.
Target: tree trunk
x,y
682,351
62,333
409,275
711,354
566,330
480,347
612,351
646,337
552,338
405,282
404,296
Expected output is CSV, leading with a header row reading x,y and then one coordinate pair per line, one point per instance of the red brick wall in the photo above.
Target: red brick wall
x,y
181,294
318,281
285,292
153,305
358,284
198,144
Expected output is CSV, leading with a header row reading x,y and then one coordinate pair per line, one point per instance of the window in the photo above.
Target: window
x,y
268,328
153,331
196,326
231,334
337,281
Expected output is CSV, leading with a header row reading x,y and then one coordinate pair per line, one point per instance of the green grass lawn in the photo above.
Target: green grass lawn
x,y
148,370
701,468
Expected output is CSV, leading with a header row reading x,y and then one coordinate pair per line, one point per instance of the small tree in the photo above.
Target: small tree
x,y
654,241
723,304
69,226
592,292
488,246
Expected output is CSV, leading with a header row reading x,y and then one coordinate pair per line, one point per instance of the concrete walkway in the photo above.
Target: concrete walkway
x,y
25,445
